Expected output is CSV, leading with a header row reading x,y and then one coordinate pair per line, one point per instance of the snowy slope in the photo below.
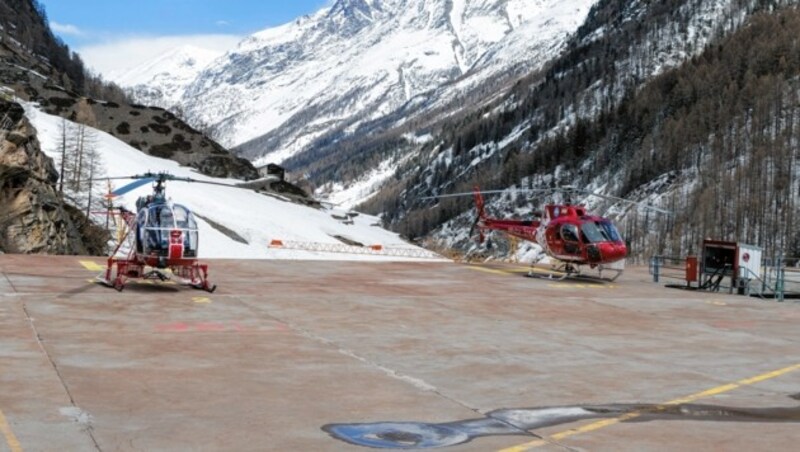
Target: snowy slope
x,y
360,60
163,80
257,218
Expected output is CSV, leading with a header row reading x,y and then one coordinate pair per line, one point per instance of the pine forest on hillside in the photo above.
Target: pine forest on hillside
x,y
24,24
719,133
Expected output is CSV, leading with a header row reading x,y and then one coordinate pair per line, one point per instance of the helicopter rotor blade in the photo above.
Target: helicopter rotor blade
x,y
130,187
628,201
566,190
143,179
491,192
459,195
249,185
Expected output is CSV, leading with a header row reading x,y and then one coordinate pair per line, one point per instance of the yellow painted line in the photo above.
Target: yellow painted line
x,y
514,270
91,266
202,300
11,439
581,286
489,270
508,271
545,271
688,399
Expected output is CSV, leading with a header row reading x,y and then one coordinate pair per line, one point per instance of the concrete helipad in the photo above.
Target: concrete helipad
x,y
311,355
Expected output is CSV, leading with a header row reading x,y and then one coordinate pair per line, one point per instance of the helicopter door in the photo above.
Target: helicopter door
x,y
160,222
141,220
184,220
572,243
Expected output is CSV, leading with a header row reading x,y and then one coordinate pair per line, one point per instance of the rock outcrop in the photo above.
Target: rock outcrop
x,y
152,130
33,217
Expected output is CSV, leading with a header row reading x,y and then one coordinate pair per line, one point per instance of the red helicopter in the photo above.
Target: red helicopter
x,y
568,234
165,236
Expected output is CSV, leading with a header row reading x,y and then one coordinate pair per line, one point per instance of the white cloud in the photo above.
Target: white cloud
x,y
65,29
128,53
222,23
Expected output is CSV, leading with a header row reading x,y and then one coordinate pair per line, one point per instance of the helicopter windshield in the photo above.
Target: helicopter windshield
x,y
162,220
160,217
610,231
593,232
600,231
184,218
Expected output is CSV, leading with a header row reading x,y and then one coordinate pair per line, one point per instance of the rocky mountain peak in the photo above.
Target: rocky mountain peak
x,y
325,74
359,10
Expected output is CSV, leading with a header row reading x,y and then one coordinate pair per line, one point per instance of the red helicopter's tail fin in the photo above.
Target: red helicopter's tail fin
x,y
479,202
481,214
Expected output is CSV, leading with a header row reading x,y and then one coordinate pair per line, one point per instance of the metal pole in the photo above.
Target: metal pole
x,y
781,278
654,264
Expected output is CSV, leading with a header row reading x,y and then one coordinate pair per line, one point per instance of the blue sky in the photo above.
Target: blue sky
x,y
103,30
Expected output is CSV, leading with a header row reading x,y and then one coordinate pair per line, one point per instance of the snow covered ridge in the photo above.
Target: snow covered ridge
x,y
162,81
358,61
256,218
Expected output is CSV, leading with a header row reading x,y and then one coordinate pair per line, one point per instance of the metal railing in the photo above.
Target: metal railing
x,y
780,278
783,274
374,250
765,286
713,281
667,267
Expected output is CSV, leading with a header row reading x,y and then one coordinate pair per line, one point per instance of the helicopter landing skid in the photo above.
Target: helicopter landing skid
x,y
194,276
617,273
210,288
565,271
156,275
554,273
548,275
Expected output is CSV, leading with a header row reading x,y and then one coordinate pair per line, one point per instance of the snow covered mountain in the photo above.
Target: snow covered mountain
x,y
631,89
359,60
162,81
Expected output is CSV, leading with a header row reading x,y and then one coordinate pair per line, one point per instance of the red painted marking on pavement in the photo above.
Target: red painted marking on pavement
x,y
210,327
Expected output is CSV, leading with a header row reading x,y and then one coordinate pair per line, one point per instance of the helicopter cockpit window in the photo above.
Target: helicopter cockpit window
x,y
184,218
141,220
160,221
160,217
569,232
593,232
611,231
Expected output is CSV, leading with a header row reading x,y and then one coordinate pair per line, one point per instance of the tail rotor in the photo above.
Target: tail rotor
x,y
481,215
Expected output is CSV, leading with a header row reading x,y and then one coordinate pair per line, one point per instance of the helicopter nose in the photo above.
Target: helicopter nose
x,y
622,250
619,251
613,251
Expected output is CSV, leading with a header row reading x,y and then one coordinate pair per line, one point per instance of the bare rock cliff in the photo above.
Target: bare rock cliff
x,y
33,217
